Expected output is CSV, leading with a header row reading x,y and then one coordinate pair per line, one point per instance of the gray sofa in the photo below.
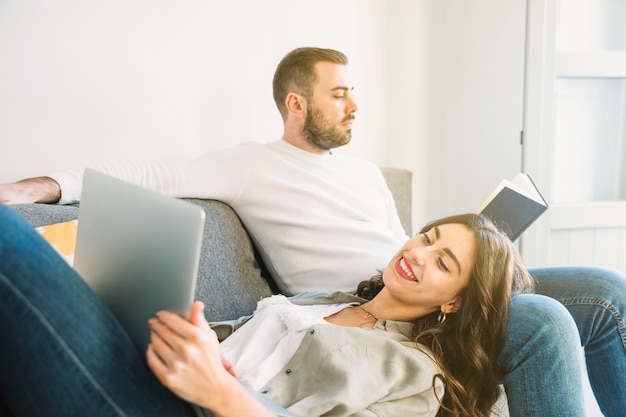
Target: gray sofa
x,y
231,277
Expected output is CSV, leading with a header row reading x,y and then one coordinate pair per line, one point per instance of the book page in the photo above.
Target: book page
x,y
520,184
494,193
524,182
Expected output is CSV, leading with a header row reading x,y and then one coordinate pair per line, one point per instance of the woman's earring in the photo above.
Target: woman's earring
x,y
442,317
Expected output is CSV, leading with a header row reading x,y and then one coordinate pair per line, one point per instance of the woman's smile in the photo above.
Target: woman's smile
x,y
405,271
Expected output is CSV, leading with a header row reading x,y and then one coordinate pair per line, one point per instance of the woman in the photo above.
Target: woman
x,y
447,289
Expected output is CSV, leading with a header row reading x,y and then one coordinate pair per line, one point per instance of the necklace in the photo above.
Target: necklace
x,y
368,315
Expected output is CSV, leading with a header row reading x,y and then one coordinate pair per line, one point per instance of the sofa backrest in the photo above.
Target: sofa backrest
x,y
400,182
231,277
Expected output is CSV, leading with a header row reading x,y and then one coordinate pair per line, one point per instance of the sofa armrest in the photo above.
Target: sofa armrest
x,y
399,182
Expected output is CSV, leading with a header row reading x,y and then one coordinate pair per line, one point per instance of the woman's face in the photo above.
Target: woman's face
x,y
432,268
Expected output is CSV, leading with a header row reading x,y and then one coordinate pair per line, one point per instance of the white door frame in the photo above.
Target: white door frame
x,y
567,233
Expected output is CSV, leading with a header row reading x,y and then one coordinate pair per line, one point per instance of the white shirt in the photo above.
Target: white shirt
x,y
270,338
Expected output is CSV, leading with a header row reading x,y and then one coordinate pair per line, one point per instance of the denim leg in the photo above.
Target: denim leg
x,y
596,299
62,352
542,359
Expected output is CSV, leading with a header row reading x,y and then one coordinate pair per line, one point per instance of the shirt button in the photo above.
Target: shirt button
x,y
312,331
288,371
265,391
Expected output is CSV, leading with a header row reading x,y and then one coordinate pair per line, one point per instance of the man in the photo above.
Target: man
x,y
323,221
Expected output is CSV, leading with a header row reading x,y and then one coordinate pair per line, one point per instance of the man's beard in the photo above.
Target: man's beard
x,y
319,132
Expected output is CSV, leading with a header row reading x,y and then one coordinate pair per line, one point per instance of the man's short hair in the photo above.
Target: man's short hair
x,y
296,73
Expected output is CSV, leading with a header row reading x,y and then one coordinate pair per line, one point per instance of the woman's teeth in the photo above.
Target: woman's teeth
x,y
407,270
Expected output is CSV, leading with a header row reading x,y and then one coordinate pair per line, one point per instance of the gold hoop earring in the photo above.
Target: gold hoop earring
x,y
442,317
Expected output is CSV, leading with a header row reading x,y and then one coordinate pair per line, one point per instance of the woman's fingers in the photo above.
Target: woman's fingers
x,y
174,338
185,356
196,315
155,363
230,368
162,341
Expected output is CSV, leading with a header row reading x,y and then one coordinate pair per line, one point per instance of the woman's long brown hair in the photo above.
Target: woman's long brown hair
x,y
467,345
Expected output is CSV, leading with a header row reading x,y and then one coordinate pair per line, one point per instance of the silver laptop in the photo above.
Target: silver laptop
x,y
138,250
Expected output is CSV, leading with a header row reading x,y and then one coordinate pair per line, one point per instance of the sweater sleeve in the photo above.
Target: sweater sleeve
x,y
220,175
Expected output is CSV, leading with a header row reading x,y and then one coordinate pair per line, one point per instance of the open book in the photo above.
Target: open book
x,y
514,205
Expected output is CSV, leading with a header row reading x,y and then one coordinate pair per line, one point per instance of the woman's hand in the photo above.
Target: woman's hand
x,y
185,357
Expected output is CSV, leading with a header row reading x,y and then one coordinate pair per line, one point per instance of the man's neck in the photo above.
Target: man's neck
x,y
300,142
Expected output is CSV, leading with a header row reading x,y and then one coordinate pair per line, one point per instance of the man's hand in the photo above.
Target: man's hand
x,y
31,190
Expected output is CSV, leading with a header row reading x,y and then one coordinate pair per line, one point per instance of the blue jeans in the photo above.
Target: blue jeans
x,y
542,354
63,353
596,299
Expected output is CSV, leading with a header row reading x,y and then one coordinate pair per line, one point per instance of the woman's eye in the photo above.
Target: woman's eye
x,y
442,265
340,97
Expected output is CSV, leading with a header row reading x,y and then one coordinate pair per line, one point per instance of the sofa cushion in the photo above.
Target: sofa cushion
x,y
400,182
230,280
44,214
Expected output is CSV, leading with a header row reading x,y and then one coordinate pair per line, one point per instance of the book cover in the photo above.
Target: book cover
x,y
62,237
514,205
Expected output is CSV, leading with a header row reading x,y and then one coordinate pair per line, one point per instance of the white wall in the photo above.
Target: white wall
x,y
475,102
85,81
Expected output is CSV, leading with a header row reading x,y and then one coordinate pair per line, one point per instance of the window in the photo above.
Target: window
x,y
590,93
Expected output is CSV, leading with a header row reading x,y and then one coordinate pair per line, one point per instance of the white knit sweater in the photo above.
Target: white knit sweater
x,y
319,221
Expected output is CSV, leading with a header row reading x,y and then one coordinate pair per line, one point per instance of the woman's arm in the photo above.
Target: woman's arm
x,y
185,357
